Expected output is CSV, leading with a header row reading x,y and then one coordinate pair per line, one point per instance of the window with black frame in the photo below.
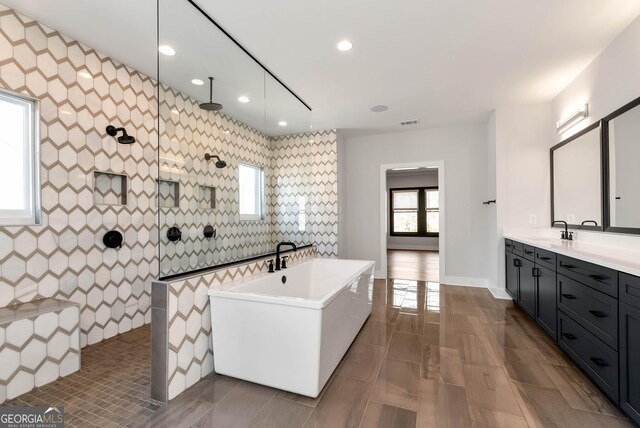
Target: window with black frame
x,y
414,211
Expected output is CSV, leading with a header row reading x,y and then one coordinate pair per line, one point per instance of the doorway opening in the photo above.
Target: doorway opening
x,y
412,221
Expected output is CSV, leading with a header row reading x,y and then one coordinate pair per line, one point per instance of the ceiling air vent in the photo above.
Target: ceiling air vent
x,y
409,122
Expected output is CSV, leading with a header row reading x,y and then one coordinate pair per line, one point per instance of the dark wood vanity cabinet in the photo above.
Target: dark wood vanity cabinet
x,y
527,295
629,336
592,312
512,264
531,282
546,307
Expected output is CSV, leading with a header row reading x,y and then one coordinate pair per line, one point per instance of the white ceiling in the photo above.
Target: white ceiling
x,y
438,61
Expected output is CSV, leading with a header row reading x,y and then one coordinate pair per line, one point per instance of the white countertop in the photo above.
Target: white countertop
x,y
623,260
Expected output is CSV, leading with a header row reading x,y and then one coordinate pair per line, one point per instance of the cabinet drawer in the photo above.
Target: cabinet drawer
x,y
595,311
598,360
518,248
598,277
508,245
529,252
545,258
629,289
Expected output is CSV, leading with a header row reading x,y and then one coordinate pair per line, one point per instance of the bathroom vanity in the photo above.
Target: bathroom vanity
x,y
587,298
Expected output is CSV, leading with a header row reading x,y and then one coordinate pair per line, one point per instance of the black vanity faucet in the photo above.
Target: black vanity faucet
x,y
278,261
565,234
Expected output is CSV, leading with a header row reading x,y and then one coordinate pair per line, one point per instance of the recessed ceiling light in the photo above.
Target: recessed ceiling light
x,y
243,99
344,45
282,123
166,50
379,108
197,82
85,75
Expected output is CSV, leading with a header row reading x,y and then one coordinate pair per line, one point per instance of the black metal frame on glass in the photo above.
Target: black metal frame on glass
x,y
606,165
422,212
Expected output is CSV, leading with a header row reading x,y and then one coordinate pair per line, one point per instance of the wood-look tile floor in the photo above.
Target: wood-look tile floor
x,y
112,388
430,355
411,264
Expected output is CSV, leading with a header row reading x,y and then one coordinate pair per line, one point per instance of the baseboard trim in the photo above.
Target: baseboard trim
x,y
500,293
466,281
414,247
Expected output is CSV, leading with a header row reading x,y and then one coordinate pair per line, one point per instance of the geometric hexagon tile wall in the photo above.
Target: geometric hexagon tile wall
x,y
305,181
80,93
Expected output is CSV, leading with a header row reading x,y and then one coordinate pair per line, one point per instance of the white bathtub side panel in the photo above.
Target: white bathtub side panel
x,y
269,344
342,319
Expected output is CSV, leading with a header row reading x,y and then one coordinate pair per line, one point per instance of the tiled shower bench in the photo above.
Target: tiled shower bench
x,y
39,342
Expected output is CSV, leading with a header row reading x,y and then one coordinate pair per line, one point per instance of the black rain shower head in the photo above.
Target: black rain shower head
x,y
219,163
124,138
211,106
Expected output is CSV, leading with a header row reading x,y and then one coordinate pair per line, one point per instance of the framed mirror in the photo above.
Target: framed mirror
x,y
621,132
577,180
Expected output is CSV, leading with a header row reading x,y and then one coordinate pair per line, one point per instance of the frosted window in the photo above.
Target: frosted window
x,y
251,185
19,204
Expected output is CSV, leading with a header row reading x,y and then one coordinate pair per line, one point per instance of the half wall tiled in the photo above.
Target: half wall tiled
x,y
183,331
80,93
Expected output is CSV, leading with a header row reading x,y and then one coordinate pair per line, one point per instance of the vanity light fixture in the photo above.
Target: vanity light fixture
x,y
197,82
166,50
243,99
406,168
282,123
581,113
344,45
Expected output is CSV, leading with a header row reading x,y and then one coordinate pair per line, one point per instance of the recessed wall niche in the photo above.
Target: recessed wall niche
x,y
109,188
207,197
168,194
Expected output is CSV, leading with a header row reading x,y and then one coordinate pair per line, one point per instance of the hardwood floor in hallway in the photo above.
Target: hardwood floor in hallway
x,y
429,355
413,264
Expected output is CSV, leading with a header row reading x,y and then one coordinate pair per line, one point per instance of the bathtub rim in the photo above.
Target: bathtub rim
x,y
217,291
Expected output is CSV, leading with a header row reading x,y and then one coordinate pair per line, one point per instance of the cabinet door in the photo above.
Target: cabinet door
x,y
512,274
527,296
546,303
629,358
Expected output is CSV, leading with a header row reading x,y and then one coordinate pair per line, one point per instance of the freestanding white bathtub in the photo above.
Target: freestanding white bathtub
x,y
290,335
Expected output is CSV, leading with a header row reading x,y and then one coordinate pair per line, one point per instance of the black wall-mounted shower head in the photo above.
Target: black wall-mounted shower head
x,y
124,138
219,163
211,106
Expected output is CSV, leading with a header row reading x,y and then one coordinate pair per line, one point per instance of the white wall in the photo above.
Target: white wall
x,y
607,84
417,179
464,152
518,178
494,263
